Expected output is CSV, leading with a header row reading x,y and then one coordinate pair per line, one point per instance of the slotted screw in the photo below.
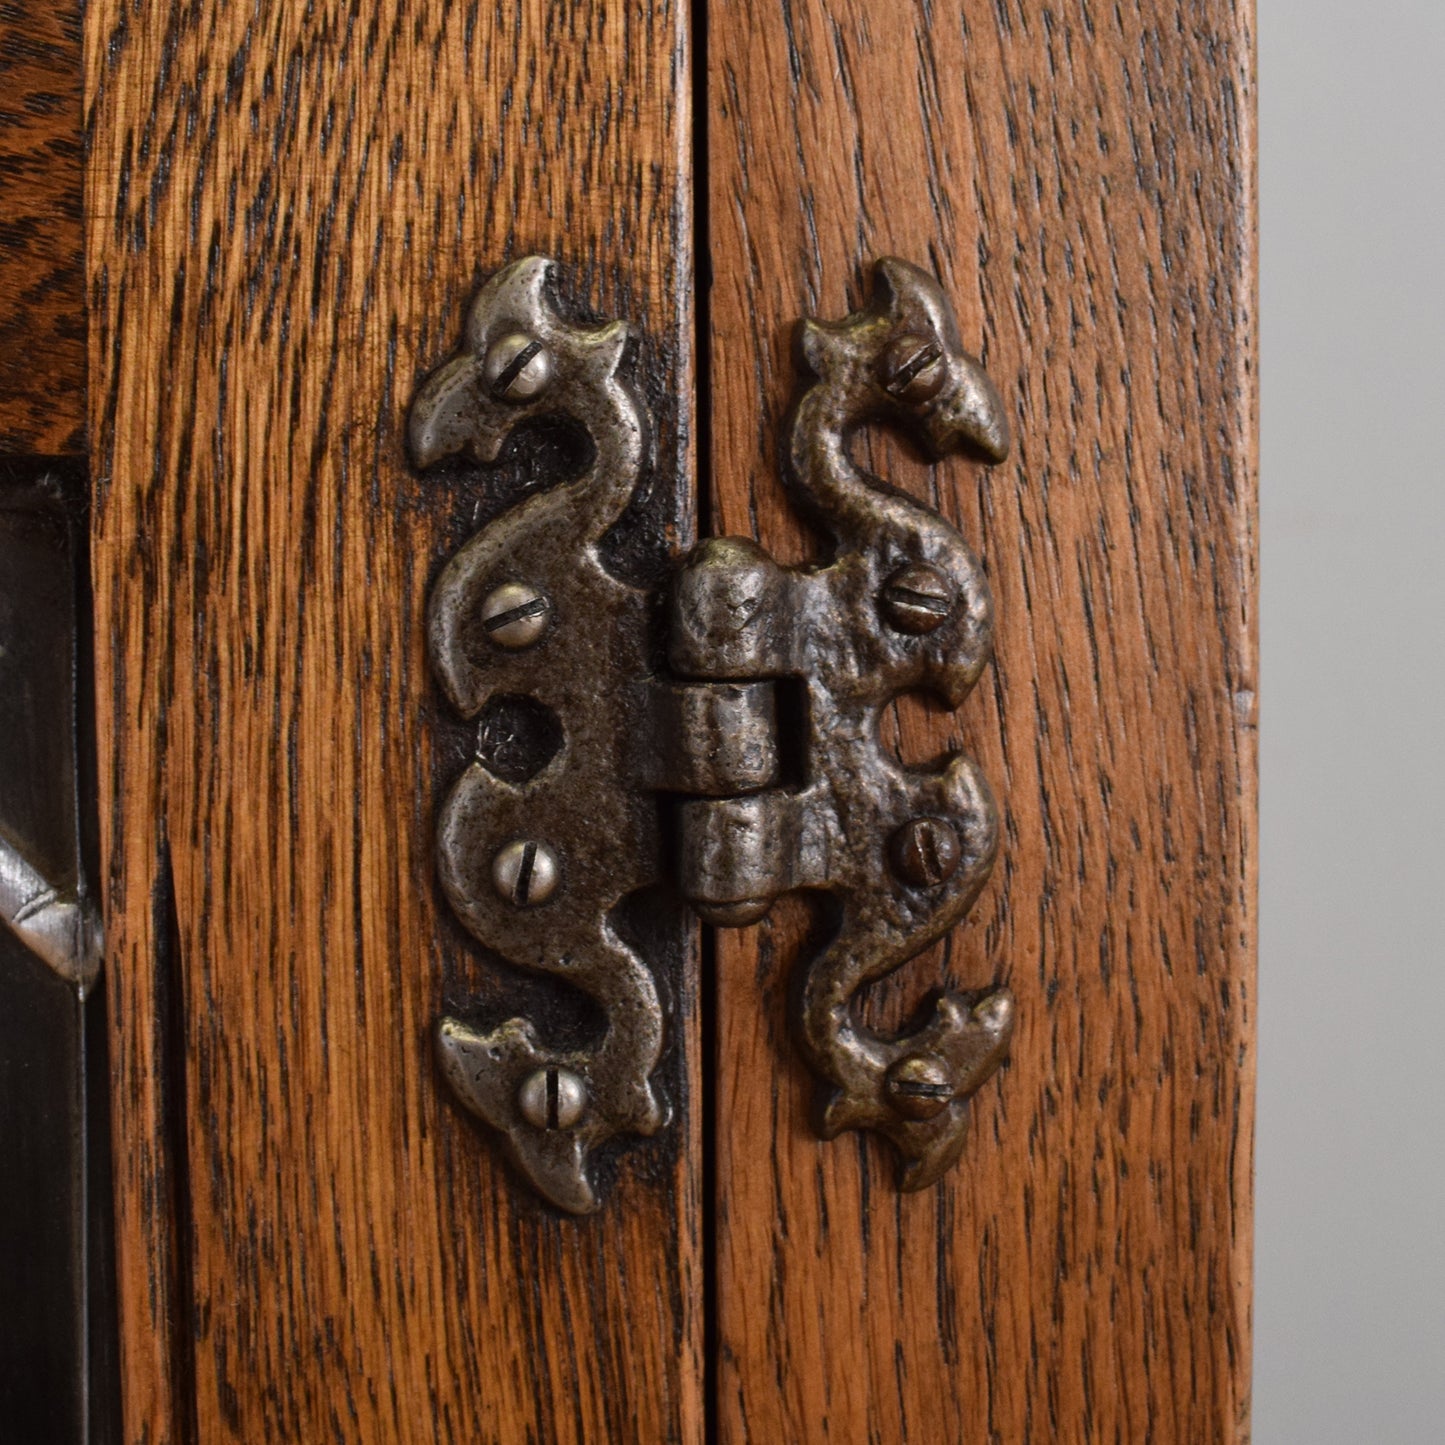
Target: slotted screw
x,y
913,369
916,598
924,852
518,368
525,872
515,614
552,1098
919,1087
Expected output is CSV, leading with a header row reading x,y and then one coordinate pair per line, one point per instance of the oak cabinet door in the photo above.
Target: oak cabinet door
x,y
1080,178
287,206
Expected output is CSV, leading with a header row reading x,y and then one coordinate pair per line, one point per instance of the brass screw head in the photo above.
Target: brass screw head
x,y
924,852
919,1087
515,614
552,1098
525,873
518,368
916,598
913,369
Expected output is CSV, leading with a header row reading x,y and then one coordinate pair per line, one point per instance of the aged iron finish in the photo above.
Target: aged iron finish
x,y
766,736
903,606
537,850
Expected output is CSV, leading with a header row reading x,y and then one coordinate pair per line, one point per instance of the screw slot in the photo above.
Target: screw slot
x,y
913,369
515,614
917,598
518,368
924,852
919,1087
552,1098
525,873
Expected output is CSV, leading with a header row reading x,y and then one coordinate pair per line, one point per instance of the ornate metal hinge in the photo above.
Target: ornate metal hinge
x,y
537,864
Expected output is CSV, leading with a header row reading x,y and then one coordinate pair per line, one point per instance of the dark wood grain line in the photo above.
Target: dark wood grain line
x,y
174,1222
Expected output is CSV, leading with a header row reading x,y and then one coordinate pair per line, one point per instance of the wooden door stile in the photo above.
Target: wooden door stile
x,y
1080,178
288,206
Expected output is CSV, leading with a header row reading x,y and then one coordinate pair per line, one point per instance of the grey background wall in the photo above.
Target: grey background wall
x,y
1350,1233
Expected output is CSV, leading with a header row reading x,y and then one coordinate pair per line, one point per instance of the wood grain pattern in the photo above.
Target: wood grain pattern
x,y
1081,179
289,203
42,284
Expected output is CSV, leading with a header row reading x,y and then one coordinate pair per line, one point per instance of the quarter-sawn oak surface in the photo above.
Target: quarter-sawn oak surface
x,y
289,204
1080,177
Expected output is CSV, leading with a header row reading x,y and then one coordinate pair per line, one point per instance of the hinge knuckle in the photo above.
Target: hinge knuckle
x,y
714,739
730,612
734,854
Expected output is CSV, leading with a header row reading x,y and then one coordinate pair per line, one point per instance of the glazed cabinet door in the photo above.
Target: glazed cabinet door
x,y
858,913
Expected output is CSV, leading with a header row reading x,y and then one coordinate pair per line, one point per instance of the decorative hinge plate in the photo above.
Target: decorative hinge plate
x,y
662,719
